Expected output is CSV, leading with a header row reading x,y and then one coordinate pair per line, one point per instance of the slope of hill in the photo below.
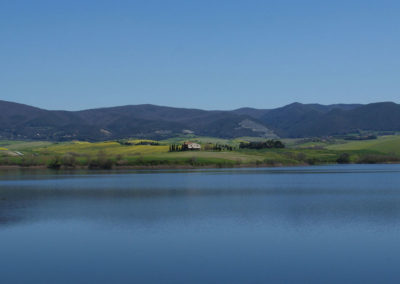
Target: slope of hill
x,y
384,144
20,121
142,121
299,120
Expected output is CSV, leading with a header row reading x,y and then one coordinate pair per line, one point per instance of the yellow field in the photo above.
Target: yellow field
x,y
159,151
383,149
108,148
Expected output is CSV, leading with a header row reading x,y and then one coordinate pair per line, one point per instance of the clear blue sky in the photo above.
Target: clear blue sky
x,y
203,54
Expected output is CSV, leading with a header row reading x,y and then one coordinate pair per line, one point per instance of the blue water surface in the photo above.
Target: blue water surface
x,y
323,224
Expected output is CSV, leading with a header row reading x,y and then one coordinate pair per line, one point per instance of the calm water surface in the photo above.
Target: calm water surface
x,y
333,224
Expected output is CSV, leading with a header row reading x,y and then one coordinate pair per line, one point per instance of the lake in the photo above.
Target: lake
x,y
321,224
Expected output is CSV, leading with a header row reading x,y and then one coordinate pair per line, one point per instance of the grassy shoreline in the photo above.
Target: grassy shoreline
x,y
117,155
178,167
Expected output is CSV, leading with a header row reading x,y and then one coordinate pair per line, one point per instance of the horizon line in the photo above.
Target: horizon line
x,y
193,108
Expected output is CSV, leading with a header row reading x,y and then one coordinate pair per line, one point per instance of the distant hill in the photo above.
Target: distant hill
x,y
143,121
18,121
305,120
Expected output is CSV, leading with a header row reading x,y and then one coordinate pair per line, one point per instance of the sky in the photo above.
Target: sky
x,y
205,54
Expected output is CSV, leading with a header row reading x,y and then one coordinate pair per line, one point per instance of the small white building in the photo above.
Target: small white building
x,y
191,146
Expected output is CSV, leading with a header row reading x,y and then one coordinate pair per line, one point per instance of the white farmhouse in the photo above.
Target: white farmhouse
x,y
191,146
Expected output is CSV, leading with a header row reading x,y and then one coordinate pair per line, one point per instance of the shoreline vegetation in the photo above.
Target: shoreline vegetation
x,y
214,153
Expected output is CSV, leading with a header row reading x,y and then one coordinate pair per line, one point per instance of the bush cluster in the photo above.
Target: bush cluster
x,y
269,144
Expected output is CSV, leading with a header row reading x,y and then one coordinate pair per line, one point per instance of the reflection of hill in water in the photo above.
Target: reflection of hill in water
x,y
299,197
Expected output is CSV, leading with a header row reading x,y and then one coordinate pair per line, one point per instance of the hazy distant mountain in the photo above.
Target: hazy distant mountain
x,y
305,120
253,112
18,121
143,121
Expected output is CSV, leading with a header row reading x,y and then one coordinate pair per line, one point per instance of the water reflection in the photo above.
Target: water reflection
x,y
296,196
336,224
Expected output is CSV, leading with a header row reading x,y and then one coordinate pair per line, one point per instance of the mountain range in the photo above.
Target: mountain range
x,y
23,122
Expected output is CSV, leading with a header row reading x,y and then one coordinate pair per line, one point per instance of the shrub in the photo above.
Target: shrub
x,y
101,162
376,159
69,161
54,163
193,161
343,159
301,157
105,164
311,161
28,161
270,162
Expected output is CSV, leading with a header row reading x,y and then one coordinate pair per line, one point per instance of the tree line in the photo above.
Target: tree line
x,y
269,144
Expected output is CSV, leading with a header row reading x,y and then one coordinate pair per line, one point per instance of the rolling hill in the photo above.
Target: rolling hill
x,y
300,120
22,122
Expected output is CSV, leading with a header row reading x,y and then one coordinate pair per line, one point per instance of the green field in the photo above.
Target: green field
x,y
384,144
79,154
